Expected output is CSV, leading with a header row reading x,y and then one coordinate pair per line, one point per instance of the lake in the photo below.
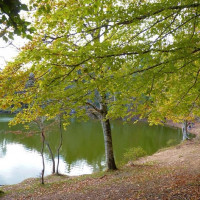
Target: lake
x,y
83,147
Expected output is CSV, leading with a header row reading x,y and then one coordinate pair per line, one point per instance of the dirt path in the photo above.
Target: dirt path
x,y
173,173
185,155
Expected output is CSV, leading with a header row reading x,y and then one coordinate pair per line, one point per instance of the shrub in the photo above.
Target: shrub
x,y
134,153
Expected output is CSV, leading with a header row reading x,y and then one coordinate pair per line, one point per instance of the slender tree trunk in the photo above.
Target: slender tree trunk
x,y
42,152
107,138
52,158
61,138
184,130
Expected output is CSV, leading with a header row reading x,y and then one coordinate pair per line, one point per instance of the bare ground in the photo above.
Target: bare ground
x,y
172,173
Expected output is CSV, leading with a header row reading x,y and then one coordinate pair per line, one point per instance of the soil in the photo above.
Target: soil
x,y
172,173
185,155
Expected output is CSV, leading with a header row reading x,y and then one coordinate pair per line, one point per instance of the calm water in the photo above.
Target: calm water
x,y
82,151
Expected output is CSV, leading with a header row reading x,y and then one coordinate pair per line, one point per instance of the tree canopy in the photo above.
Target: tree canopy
x,y
10,20
138,45
125,57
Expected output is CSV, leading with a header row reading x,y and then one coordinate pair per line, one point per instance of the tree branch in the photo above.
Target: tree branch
x,y
94,107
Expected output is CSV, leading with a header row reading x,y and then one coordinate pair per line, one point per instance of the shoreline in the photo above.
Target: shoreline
x,y
194,130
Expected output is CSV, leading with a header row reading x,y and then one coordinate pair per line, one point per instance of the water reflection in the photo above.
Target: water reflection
x,y
5,119
82,151
19,163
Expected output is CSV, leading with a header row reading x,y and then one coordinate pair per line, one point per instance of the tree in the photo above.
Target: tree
x,y
10,20
42,126
115,61
40,123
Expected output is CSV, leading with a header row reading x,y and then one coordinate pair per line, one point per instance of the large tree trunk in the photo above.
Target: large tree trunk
x,y
184,130
107,138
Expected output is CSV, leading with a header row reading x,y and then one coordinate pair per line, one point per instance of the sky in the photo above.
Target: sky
x,y
10,50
